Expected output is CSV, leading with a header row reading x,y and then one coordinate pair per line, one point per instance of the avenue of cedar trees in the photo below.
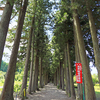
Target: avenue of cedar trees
x,y
74,26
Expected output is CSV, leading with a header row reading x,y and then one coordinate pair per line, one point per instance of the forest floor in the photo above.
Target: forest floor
x,y
49,92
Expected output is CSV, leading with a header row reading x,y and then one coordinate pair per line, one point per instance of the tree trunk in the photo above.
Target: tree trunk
x,y
68,79
62,78
70,73
79,86
77,58
41,73
57,76
68,87
35,71
94,39
66,74
33,78
31,67
44,77
24,82
60,74
4,24
54,78
87,76
7,92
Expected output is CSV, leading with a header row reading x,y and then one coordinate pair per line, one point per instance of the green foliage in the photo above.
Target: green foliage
x,y
2,76
17,86
95,79
97,88
4,66
2,79
2,2
97,91
75,5
18,81
58,86
19,76
11,2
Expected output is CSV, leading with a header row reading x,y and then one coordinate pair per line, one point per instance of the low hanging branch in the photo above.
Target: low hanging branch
x,y
2,8
14,15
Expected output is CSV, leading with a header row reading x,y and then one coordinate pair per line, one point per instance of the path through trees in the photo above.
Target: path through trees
x,y
49,92
36,59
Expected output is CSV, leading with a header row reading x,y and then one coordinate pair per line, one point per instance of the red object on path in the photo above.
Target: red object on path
x,y
78,72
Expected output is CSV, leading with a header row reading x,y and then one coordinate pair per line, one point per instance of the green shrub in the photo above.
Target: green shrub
x,y
58,86
19,76
95,79
17,87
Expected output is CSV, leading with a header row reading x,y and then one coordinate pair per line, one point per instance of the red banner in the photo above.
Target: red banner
x,y
78,72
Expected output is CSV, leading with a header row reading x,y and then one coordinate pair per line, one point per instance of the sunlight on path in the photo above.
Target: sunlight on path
x,y
49,92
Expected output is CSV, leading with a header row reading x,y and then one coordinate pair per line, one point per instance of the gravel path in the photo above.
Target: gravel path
x,y
49,92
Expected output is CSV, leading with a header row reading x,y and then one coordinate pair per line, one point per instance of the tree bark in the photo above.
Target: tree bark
x,y
60,74
35,71
67,79
54,79
4,24
31,67
33,79
94,39
7,92
68,87
41,74
57,76
71,74
77,58
24,82
62,78
87,76
44,77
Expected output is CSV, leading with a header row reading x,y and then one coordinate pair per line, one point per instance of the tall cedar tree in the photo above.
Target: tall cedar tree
x,y
87,75
94,38
4,24
7,92
24,82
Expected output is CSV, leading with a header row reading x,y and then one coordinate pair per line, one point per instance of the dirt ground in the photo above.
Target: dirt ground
x,y
49,92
